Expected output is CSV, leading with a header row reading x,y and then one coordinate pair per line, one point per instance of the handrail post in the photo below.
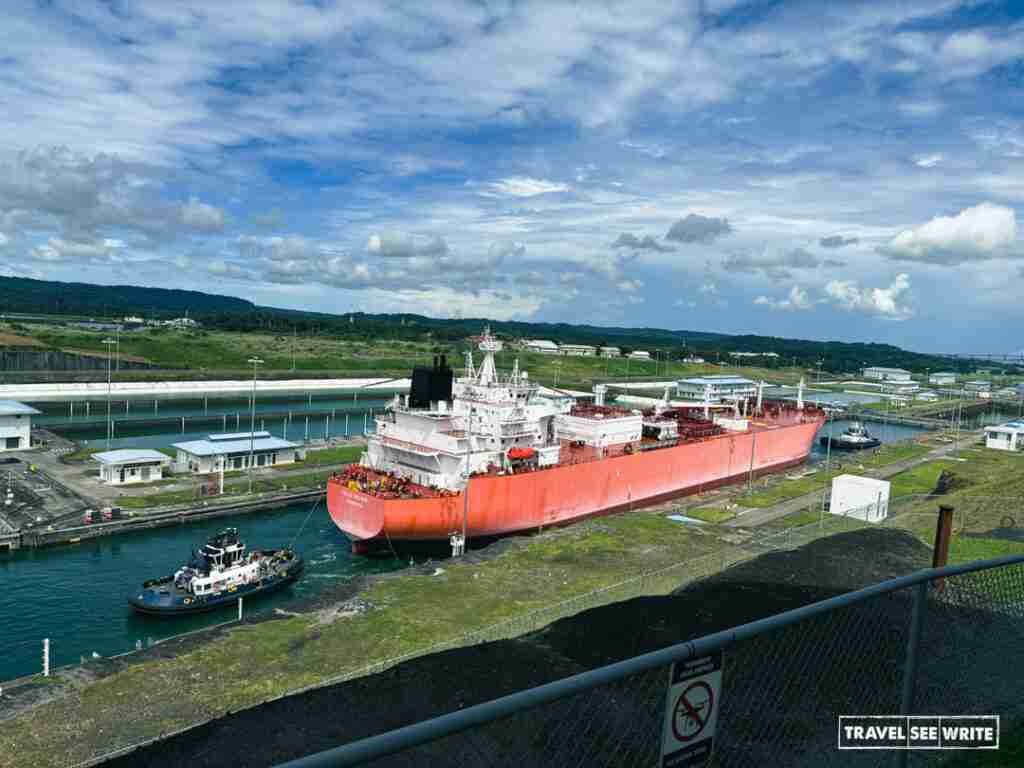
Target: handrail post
x,y
910,665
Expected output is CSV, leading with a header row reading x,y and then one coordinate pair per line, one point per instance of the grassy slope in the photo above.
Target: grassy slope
x,y
410,612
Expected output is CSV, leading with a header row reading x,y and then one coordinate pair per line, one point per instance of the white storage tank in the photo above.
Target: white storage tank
x,y
863,498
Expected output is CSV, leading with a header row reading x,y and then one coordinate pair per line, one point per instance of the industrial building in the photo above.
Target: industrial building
x,y
16,425
1005,437
880,373
639,354
131,465
719,388
543,346
942,378
862,498
230,451
578,350
610,352
978,388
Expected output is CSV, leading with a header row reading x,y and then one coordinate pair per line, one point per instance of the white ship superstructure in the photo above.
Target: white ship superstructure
x,y
488,416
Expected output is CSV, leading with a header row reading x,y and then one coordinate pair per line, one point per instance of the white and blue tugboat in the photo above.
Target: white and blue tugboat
x,y
855,438
218,575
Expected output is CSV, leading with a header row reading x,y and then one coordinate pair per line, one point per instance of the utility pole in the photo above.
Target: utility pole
x,y
110,430
254,361
465,492
293,347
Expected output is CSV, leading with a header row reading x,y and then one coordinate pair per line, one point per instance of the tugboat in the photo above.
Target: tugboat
x,y
218,575
855,438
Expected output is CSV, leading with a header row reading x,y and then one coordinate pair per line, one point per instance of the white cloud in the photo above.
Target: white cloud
x,y
927,161
797,300
4,240
522,186
629,286
709,288
883,302
202,217
392,245
980,232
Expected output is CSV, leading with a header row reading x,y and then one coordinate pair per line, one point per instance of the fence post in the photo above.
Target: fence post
x,y
910,665
943,530
240,608
46,657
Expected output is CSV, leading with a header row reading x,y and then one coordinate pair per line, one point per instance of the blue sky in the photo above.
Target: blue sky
x,y
824,170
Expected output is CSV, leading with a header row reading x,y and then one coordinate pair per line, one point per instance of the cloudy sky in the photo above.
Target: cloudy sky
x,y
823,170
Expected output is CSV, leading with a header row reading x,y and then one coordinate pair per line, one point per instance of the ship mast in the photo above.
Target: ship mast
x,y
488,345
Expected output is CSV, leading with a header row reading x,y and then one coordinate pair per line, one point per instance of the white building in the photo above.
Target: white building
x,y
880,373
578,350
753,354
978,388
718,387
543,346
132,320
942,378
15,425
639,354
927,396
693,359
181,322
863,498
610,352
131,465
1005,437
206,456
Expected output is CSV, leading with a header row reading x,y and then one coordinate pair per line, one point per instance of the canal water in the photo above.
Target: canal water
x,y
886,432
76,595
320,418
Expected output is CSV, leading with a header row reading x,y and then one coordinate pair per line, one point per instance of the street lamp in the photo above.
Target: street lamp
x,y
108,342
254,361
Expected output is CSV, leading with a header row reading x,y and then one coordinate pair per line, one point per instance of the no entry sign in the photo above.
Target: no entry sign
x,y
691,712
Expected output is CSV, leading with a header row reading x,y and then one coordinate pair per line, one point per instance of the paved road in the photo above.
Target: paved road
x,y
760,516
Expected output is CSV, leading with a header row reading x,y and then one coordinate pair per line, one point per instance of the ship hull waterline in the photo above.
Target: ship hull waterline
x,y
505,504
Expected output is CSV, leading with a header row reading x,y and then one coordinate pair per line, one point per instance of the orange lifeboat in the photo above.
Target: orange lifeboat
x,y
520,454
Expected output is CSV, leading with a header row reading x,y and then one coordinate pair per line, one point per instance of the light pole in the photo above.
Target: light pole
x,y
108,342
556,366
254,361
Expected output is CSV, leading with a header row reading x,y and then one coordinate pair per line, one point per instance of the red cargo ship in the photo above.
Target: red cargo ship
x,y
532,458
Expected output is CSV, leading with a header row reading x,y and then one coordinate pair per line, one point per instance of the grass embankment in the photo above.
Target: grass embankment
x,y
785,489
225,350
988,495
408,613
233,491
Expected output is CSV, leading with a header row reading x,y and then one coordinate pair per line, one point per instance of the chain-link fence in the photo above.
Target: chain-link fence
x,y
865,630
786,681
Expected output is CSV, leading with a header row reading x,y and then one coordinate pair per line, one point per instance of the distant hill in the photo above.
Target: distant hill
x,y
22,295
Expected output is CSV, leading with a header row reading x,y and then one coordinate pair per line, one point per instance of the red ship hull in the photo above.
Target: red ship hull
x,y
501,504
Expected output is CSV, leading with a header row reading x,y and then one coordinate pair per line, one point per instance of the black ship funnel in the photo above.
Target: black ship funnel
x,y
431,385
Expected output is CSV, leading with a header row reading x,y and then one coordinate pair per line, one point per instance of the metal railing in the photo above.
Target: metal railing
x,y
971,517
781,711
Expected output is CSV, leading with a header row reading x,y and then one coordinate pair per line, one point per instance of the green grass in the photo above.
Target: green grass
x,y
711,514
965,549
343,454
917,480
785,489
798,519
232,490
81,455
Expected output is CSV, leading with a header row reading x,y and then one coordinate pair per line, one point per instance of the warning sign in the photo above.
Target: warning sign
x,y
691,712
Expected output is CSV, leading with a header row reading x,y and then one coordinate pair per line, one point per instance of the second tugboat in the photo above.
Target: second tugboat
x,y
855,438
218,575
